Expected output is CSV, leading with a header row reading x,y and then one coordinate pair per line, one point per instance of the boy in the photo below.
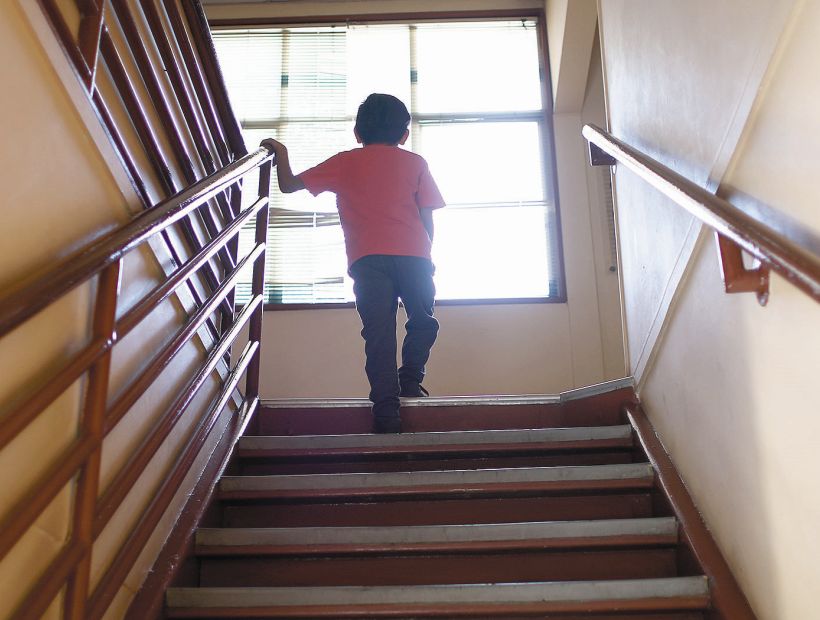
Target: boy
x,y
385,196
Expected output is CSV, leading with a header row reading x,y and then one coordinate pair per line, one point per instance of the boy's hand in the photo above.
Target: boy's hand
x,y
288,182
277,147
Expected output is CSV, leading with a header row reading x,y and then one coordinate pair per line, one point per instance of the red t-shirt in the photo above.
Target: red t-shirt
x,y
379,191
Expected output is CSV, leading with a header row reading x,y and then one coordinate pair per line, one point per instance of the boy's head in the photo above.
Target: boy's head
x,y
382,119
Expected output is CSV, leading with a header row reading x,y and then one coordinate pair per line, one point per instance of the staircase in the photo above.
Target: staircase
x,y
484,508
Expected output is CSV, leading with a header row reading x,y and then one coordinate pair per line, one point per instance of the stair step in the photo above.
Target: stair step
x,y
433,568
407,511
482,600
316,454
593,406
458,482
541,440
375,556
351,540
250,466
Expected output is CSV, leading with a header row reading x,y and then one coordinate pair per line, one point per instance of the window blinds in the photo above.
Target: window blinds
x,y
475,93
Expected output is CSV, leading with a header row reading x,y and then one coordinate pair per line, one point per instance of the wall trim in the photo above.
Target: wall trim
x,y
728,600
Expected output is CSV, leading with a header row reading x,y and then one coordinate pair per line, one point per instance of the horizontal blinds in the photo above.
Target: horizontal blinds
x,y
474,90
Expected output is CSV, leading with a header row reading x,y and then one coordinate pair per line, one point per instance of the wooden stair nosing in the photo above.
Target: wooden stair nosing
x,y
305,446
676,593
498,536
560,478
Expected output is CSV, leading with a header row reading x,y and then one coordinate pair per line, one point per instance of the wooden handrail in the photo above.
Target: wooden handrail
x,y
93,506
32,295
798,264
208,216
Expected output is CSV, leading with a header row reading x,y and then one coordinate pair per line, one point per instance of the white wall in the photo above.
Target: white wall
x,y
730,387
492,349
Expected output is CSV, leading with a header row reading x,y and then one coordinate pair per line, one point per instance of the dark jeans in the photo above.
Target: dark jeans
x,y
379,282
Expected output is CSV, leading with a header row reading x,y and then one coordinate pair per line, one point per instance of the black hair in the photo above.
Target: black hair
x,y
382,119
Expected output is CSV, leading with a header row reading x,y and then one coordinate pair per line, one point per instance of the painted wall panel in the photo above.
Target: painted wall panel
x,y
680,86
731,389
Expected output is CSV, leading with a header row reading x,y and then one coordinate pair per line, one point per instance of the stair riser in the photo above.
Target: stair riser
x,y
449,569
262,467
355,420
502,615
498,612
437,512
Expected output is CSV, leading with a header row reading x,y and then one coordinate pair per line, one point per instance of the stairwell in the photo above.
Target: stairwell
x,y
491,507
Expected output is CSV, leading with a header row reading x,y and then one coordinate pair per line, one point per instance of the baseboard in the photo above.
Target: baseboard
x,y
728,600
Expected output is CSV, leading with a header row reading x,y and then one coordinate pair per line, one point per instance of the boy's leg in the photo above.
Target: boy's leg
x,y
377,302
417,292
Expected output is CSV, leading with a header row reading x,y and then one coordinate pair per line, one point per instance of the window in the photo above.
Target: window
x,y
475,92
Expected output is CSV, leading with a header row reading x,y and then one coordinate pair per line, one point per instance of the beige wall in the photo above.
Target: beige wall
x,y
63,185
684,99
492,349
730,385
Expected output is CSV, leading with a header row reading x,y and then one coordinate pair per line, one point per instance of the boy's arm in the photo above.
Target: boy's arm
x,y
427,221
288,182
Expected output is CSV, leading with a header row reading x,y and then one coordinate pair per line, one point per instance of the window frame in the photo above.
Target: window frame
x,y
548,134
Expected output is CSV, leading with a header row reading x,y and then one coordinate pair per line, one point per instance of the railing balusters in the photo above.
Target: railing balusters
x,y
160,102
103,258
197,78
142,125
91,425
111,581
122,483
175,75
149,77
198,22
258,284
136,112
79,464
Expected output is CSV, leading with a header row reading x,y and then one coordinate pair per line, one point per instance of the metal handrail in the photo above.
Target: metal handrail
x,y
798,264
24,300
103,259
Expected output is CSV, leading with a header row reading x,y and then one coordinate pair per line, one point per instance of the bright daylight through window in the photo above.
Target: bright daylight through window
x,y
475,93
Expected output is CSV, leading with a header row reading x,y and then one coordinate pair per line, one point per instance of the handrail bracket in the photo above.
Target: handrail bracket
x,y
599,157
737,278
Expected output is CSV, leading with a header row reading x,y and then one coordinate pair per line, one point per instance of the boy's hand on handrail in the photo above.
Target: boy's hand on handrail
x,y
288,182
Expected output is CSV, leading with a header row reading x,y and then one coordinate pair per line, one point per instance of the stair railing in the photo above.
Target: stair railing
x,y
139,101
735,228
93,505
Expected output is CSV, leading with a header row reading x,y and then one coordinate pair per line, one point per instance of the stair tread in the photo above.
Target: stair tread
x,y
433,441
681,592
439,535
395,481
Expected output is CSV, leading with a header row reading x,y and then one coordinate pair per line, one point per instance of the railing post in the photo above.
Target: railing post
x,y
91,425
258,285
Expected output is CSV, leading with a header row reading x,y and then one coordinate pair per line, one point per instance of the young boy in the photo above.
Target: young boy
x,y
385,196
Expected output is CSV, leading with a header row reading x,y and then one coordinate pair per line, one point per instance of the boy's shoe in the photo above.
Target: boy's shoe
x,y
413,390
386,424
